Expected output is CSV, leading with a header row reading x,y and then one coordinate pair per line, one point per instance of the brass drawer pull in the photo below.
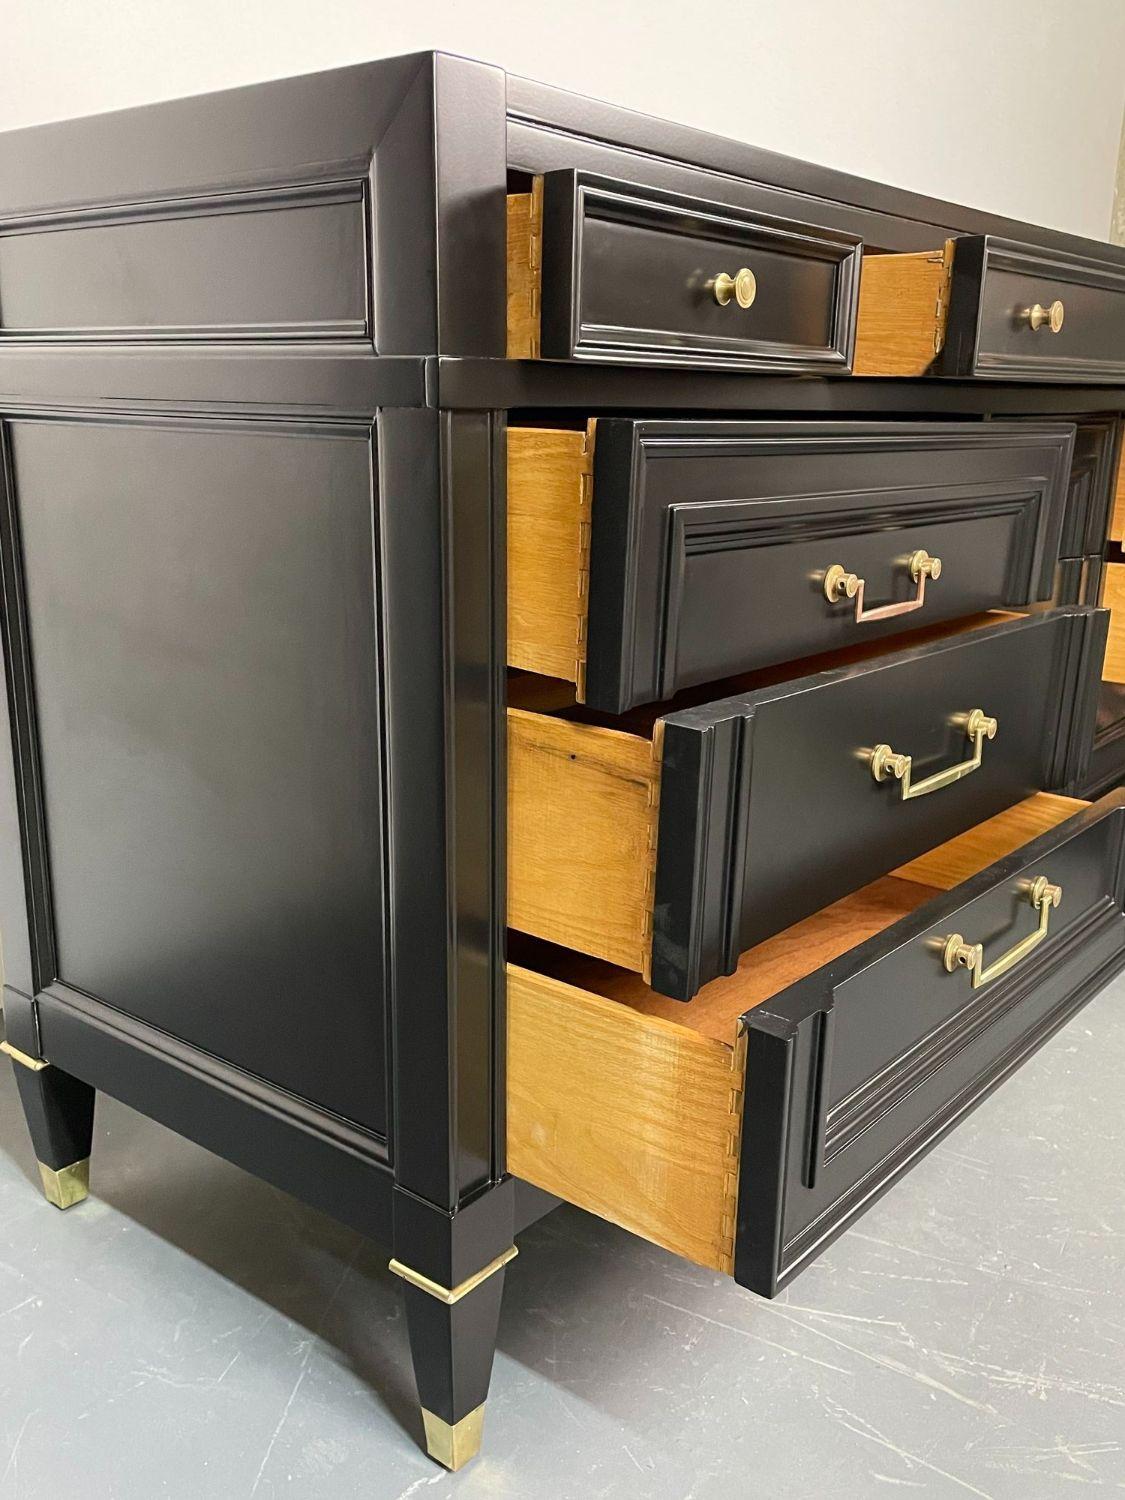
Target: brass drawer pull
x,y
885,763
742,286
1047,317
957,954
840,584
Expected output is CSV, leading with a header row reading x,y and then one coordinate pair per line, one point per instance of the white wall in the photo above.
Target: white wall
x,y
1010,105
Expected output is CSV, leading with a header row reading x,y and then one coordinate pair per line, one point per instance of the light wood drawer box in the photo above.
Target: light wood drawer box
x,y
670,845
985,306
747,1129
647,556
606,270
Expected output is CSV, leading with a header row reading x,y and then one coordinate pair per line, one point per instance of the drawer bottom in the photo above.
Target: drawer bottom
x,y
631,1105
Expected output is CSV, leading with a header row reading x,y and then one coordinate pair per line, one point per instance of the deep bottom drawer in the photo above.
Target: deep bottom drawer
x,y
746,1129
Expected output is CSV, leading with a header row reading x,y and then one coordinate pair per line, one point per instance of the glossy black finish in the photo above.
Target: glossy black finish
x,y
769,810
628,276
211,775
710,540
252,552
60,1115
848,1085
996,281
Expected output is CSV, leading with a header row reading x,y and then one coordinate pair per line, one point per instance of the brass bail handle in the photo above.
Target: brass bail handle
x,y
840,585
886,763
1047,317
956,953
742,286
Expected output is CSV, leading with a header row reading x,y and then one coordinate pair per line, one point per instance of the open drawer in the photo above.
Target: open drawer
x,y
678,838
646,556
601,269
747,1129
986,306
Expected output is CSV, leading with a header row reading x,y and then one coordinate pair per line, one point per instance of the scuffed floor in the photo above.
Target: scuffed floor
x,y
192,1333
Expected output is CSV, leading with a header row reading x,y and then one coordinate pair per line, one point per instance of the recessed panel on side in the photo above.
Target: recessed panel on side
x,y
202,621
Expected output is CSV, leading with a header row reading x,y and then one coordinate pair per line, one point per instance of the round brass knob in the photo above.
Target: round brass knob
x,y
922,565
742,286
1043,893
885,763
958,954
840,584
1047,317
980,723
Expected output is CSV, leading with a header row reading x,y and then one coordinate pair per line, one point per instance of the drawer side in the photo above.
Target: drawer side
x,y
628,1116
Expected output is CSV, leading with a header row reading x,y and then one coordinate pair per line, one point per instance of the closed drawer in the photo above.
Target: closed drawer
x,y
746,1130
647,556
673,845
605,270
992,307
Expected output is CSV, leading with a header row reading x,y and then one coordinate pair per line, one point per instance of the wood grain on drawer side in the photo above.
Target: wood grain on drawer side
x,y
628,1116
550,482
903,301
1113,598
582,826
1117,514
525,260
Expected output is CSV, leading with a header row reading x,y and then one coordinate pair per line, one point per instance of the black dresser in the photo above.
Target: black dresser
x,y
549,656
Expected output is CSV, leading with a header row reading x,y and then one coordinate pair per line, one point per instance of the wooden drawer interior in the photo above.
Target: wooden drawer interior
x,y
903,304
1113,598
629,1104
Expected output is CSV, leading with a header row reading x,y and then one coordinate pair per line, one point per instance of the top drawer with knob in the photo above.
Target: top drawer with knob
x,y
610,271
983,306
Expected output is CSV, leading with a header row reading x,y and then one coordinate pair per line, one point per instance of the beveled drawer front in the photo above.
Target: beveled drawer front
x,y
648,556
672,848
988,306
600,269
746,1130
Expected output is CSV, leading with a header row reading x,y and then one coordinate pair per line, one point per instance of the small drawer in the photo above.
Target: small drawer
x,y
992,307
648,556
746,1130
673,844
615,271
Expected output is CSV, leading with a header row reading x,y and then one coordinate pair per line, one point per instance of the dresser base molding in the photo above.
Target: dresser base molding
x,y
315,1156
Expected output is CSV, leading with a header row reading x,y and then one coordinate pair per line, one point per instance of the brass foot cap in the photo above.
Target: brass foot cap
x,y
453,1445
68,1186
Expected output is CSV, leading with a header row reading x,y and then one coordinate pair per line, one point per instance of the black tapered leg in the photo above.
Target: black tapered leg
x,y
452,1347
60,1118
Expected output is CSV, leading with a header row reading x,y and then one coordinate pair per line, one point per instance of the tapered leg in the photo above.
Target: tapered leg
x,y
452,1343
60,1118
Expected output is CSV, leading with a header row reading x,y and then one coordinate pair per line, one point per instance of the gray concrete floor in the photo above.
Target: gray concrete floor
x,y
192,1333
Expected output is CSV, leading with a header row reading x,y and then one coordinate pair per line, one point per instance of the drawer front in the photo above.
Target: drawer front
x,y
709,543
634,274
769,806
1000,319
857,1070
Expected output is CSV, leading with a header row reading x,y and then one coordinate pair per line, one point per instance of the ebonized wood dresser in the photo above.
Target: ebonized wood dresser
x,y
549,656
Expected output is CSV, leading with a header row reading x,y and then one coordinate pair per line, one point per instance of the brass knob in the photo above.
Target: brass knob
x,y
1049,317
922,565
980,723
884,763
840,584
958,954
1042,893
742,286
